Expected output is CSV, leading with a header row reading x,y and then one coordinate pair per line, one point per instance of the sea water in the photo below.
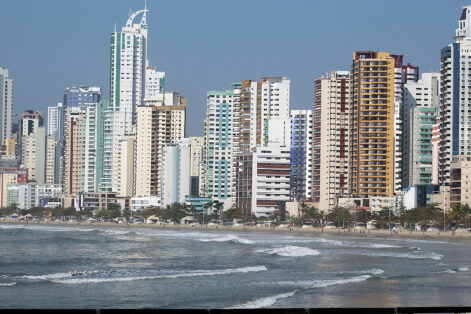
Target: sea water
x,y
103,267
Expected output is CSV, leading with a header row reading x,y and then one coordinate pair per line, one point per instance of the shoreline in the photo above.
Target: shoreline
x,y
374,233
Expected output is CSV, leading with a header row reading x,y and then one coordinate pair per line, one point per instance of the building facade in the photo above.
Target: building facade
x,y
301,154
421,101
331,138
6,105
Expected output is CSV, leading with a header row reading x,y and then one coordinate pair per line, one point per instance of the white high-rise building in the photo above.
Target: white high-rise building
x,y
420,109
6,105
455,96
176,170
55,121
128,69
154,82
125,160
218,154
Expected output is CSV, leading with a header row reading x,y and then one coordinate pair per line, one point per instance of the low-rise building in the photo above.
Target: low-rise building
x,y
460,180
29,195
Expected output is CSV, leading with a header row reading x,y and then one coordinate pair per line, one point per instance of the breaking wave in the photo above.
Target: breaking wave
x,y
7,284
290,251
309,284
228,238
117,276
263,302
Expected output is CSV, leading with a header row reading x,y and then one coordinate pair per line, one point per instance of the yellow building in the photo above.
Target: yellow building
x,y
10,144
372,169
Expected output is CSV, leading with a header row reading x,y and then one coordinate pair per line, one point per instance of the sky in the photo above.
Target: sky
x,y
205,45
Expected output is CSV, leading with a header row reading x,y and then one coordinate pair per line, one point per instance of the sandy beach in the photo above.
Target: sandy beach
x,y
462,236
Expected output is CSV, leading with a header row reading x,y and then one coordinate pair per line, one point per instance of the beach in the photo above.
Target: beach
x,y
461,236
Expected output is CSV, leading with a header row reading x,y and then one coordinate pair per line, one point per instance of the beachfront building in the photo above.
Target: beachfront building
x,y
142,202
160,121
124,174
10,176
460,180
259,102
35,155
196,152
51,146
270,179
6,105
455,95
176,172
30,120
421,101
376,125
301,154
331,138
218,146
29,195
74,142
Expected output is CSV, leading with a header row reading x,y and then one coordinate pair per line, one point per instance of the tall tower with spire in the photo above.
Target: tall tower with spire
x,y
128,68
455,97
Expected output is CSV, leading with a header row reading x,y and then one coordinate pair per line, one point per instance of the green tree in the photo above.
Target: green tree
x,y
339,216
363,215
384,217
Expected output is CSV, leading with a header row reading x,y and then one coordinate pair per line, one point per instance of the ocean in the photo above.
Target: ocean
x,y
44,266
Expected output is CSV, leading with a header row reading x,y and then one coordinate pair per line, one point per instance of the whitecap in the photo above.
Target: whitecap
x,y
424,255
228,238
463,269
59,275
449,271
309,284
263,302
290,251
194,273
7,284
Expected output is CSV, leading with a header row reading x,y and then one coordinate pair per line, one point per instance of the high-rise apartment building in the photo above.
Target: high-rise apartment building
x,y
51,146
218,146
259,102
196,151
421,101
176,168
55,121
154,82
6,105
124,174
160,121
30,120
35,155
376,130
455,96
270,179
128,70
301,154
73,155
331,138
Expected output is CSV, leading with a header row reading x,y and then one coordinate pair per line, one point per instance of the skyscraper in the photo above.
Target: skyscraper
x,y
301,154
128,69
420,109
160,121
330,138
6,104
455,96
218,146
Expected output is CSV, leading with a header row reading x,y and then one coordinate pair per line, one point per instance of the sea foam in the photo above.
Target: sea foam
x,y
194,273
7,284
263,302
290,251
227,238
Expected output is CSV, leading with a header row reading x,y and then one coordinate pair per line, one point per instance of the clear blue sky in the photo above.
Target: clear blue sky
x,y
207,44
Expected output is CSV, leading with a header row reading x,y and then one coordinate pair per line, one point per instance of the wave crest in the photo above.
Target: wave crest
x,y
290,251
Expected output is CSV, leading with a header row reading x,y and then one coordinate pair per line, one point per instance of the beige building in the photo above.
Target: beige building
x,y
73,154
331,138
50,159
161,120
125,162
35,155
460,180
10,144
